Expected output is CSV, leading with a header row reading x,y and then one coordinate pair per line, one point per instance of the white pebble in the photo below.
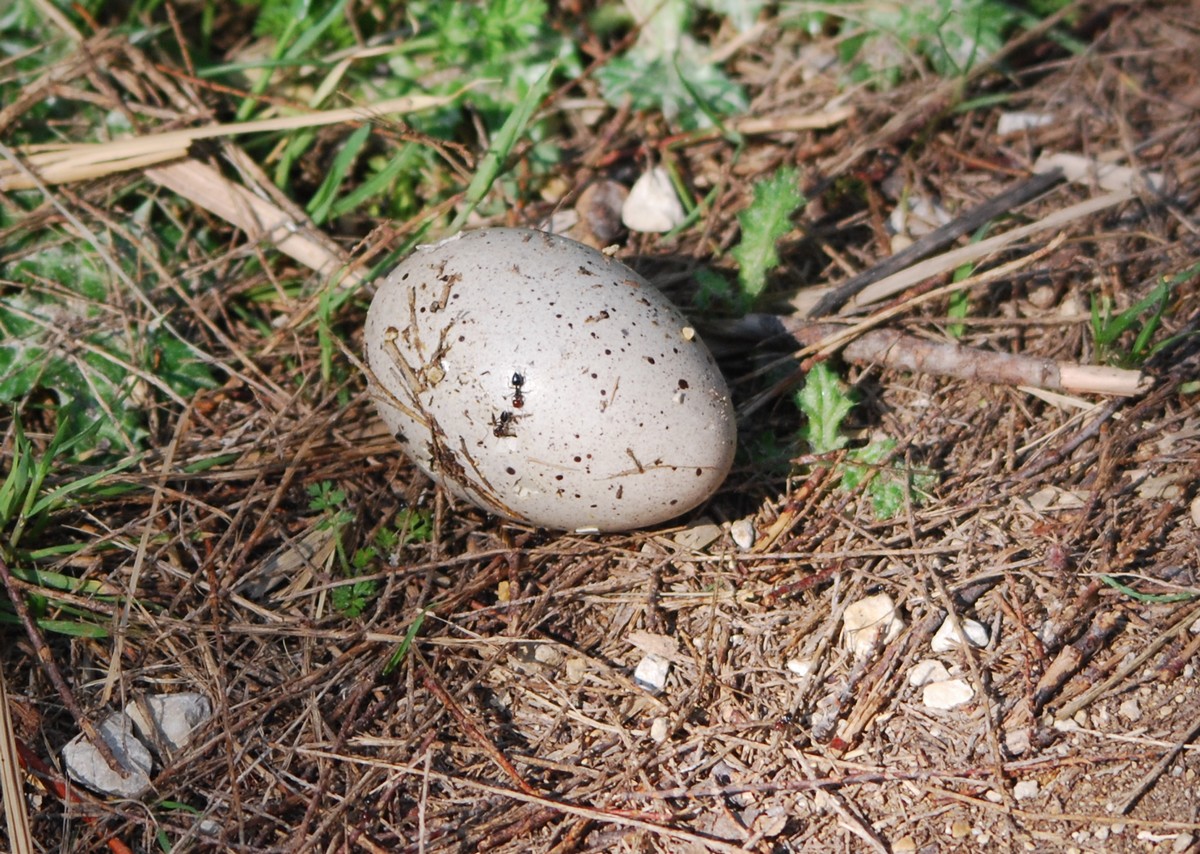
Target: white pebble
x,y
742,532
1021,121
660,728
85,765
173,717
947,638
651,673
947,694
653,205
1130,710
1196,511
1025,790
926,671
799,666
868,620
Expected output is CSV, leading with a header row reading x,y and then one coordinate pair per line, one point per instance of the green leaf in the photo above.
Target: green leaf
x,y
764,222
322,201
405,645
497,155
741,13
688,90
351,600
825,404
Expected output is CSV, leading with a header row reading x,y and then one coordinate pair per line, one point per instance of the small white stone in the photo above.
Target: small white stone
x,y
1022,121
651,673
868,620
576,669
993,796
1017,740
653,205
742,532
1025,790
799,666
1101,833
927,670
1130,710
1042,297
947,694
947,638
916,217
174,717
1183,842
1196,511
547,654
86,766
660,728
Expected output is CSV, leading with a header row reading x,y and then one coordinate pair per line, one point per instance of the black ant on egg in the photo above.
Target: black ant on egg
x,y
518,384
502,425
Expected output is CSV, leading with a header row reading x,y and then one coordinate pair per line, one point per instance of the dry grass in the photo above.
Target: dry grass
x,y
514,723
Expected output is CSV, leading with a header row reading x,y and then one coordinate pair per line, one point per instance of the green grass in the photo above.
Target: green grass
x,y
1126,338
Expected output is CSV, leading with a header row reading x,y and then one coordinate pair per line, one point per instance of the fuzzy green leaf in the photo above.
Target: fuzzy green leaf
x,y
764,222
825,404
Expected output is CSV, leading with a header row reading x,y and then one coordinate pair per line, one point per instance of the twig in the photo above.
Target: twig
x,y
1159,768
259,218
60,164
1179,627
17,598
975,251
1011,198
475,732
15,809
919,355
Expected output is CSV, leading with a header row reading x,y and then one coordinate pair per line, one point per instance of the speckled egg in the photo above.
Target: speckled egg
x,y
548,383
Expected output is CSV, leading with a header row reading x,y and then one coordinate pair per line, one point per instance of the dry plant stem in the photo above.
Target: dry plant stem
x,y
59,164
902,352
1012,198
947,261
763,326
625,818
260,219
20,839
457,712
1083,701
46,658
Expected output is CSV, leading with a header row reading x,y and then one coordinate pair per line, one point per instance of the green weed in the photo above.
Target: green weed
x,y
764,222
28,502
668,70
409,526
1141,319
882,43
892,486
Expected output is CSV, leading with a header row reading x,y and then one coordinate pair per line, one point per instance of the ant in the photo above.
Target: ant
x,y
518,383
502,426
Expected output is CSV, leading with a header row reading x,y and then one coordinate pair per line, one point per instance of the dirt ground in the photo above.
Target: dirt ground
x,y
514,722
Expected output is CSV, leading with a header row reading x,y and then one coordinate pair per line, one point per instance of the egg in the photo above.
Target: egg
x,y
547,383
